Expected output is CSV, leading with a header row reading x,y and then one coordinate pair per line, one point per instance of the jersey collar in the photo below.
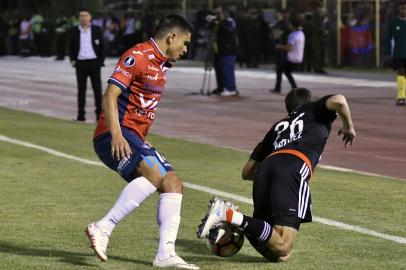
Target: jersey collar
x,y
158,53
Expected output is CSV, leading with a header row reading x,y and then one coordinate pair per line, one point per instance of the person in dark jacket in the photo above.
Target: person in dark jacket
x,y
87,56
225,51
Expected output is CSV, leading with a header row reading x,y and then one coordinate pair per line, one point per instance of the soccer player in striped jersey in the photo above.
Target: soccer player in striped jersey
x,y
281,166
130,103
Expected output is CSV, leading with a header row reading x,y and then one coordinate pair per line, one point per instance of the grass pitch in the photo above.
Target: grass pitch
x,y
46,202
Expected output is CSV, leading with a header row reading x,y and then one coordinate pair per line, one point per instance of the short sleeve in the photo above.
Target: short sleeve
x,y
264,148
321,113
126,70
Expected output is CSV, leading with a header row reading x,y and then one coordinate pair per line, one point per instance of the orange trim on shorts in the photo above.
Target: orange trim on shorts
x,y
298,154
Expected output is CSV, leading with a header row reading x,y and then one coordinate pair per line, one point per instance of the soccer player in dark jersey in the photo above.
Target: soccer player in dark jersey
x,y
130,103
396,46
281,166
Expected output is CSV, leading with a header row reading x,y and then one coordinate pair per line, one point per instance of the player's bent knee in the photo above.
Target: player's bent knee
x,y
171,184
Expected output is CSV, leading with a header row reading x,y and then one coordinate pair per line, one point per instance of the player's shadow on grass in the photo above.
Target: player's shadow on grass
x,y
75,258
197,249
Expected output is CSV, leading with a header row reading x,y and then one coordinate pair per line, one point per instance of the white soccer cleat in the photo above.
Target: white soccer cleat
x,y
98,239
215,215
173,261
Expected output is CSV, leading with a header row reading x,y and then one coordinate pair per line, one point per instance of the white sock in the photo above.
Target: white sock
x,y
168,216
130,198
237,218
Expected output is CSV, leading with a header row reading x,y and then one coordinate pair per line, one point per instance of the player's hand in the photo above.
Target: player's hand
x,y
120,148
348,135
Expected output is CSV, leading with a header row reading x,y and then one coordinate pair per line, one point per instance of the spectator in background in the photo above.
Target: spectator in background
x,y
13,33
111,29
294,49
255,33
61,28
318,39
243,32
46,37
127,26
225,54
36,22
98,20
25,36
87,56
396,47
308,32
280,33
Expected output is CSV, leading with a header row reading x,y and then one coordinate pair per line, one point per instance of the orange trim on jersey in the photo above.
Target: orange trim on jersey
x,y
298,154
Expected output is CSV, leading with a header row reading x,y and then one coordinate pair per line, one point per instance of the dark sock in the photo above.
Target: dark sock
x,y
257,228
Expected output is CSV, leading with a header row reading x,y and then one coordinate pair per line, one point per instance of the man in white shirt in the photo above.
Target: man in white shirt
x,y
295,49
87,56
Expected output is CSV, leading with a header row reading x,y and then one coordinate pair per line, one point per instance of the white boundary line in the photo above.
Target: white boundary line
x,y
327,167
397,239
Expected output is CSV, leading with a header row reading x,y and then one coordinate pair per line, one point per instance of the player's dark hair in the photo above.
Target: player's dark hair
x,y
171,22
296,97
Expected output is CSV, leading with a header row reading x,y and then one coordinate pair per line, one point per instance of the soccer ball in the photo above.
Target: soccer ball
x,y
224,240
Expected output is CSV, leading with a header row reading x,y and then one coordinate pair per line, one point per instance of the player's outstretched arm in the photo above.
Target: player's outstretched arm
x,y
338,103
119,146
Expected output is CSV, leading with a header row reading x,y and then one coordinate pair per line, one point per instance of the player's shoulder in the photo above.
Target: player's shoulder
x,y
135,55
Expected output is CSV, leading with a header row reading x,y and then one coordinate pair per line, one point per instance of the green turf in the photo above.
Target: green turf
x,y
46,201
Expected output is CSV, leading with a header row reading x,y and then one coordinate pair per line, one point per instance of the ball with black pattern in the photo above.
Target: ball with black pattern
x,y
229,244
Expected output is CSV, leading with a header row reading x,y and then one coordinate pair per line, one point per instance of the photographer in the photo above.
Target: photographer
x,y
225,49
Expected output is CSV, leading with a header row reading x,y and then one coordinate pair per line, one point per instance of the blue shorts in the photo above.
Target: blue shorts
x,y
140,151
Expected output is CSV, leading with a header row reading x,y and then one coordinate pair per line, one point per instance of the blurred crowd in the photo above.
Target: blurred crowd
x,y
37,34
257,33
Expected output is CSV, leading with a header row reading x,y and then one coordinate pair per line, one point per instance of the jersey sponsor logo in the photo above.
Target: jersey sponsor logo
x,y
129,61
118,69
147,107
151,56
149,104
152,78
138,52
152,88
152,68
143,112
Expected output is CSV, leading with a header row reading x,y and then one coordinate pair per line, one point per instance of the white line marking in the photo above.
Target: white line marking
x,y
327,167
300,77
397,239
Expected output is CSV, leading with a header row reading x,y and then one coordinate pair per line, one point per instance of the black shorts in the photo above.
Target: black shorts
x,y
281,192
399,63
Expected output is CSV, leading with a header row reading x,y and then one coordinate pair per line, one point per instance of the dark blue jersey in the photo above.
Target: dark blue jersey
x,y
306,130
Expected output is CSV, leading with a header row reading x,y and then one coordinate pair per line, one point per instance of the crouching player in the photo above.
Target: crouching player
x,y
281,166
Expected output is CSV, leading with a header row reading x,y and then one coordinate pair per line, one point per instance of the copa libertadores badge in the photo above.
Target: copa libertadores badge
x,y
129,61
